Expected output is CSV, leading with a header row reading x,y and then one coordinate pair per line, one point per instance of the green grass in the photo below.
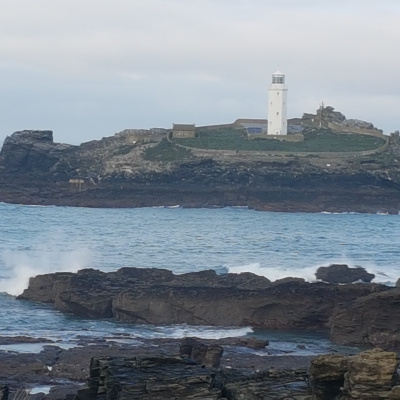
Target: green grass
x,y
324,141
166,151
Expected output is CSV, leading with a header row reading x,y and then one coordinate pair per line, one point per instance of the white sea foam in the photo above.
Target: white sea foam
x,y
20,266
274,274
181,331
40,389
33,348
386,275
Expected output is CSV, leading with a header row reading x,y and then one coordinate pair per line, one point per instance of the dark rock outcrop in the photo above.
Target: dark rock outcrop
x,y
149,378
165,377
30,151
342,273
4,392
207,355
157,296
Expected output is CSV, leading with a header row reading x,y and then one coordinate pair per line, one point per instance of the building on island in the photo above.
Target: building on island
x,y
76,184
277,105
183,131
253,126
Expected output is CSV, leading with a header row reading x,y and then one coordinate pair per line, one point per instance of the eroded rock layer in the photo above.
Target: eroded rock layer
x,y
157,296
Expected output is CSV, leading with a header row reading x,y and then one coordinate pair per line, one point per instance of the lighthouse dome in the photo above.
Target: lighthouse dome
x,y
278,77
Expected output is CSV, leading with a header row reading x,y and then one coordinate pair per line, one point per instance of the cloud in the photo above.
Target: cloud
x,y
88,69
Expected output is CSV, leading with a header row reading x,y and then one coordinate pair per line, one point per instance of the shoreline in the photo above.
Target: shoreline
x,y
199,207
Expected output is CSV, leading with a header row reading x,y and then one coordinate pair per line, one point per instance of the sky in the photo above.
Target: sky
x,y
87,69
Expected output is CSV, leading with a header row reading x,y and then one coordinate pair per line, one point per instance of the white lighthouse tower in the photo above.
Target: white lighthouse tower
x,y
277,108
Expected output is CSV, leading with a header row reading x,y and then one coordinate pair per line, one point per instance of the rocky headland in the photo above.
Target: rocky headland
x,y
139,168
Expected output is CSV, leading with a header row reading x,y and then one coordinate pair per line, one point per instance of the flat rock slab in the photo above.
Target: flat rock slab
x,y
157,296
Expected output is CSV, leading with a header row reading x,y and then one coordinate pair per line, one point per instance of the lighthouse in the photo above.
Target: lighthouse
x,y
277,107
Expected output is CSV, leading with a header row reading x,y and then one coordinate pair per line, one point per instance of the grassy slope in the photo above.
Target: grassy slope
x,y
166,151
234,139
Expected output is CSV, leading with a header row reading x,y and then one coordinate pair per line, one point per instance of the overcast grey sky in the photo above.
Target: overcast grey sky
x,y
90,68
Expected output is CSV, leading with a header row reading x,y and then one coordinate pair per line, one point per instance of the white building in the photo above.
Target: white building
x,y
277,108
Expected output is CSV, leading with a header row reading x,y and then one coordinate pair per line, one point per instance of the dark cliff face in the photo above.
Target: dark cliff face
x,y
116,173
28,151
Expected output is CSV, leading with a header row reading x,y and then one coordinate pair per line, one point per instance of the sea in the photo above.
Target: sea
x,y
37,240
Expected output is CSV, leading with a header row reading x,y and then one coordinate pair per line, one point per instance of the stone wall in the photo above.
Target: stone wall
x,y
240,154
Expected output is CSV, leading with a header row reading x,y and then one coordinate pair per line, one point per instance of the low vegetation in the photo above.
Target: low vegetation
x,y
230,138
166,151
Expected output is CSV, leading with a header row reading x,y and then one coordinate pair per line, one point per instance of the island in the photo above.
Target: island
x,y
326,162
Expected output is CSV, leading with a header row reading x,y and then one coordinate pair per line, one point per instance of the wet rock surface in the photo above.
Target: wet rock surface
x,y
372,320
155,296
64,372
155,378
170,369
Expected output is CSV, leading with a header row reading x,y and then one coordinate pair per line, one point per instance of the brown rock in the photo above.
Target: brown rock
x,y
370,320
327,375
394,394
371,375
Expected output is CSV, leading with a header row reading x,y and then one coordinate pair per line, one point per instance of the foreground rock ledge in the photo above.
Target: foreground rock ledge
x,y
368,375
197,371
356,314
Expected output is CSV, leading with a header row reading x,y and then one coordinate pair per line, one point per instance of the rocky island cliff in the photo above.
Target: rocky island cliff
x,y
136,168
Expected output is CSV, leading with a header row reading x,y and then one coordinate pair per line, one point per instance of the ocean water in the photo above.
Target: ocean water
x,y
36,240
